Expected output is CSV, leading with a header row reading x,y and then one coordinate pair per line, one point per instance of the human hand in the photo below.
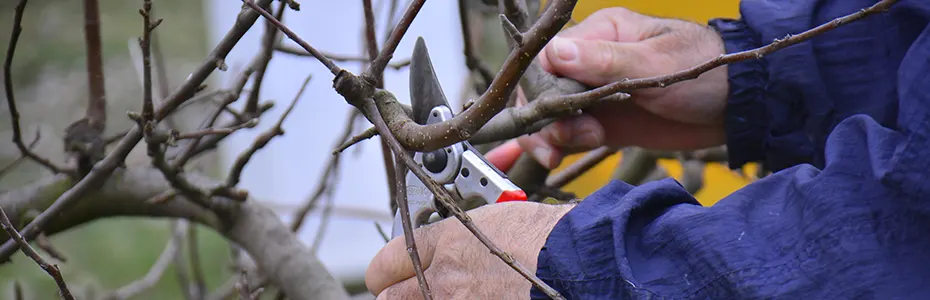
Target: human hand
x,y
614,44
457,265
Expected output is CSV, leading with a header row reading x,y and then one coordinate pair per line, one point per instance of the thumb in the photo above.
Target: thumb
x,y
593,62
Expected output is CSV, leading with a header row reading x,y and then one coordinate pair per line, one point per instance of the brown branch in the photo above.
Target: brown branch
x,y
591,159
757,53
333,68
430,137
324,221
102,169
229,97
326,181
11,101
471,59
43,242
635,165
293,4
97,103
19,160
264,57
367,134
371,45
236,171
286,261
400,171
193,251
51,269
397,65
371,109
390,45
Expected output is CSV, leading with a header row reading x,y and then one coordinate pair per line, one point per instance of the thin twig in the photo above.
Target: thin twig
x,y
44,243
327,180
11,101
383,233
400,171
367,134
51,269
663,81
236,171
581,166
397,65
324,221
101,171
193,251
471,59
264,57
418,137
378,64
333,68
19,160
443,196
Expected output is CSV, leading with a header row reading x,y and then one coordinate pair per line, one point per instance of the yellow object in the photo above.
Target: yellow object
x,y
719,180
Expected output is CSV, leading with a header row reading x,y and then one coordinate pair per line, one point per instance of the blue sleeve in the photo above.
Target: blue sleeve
x,y
845,117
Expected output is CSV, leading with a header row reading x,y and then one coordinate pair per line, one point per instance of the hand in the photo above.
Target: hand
x,y
457,265
614,44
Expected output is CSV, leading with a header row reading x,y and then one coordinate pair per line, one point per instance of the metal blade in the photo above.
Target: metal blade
x,y
425,90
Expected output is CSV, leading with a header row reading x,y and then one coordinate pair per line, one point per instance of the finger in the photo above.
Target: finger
x,y
393,264
597,62
614,24
504,156
407,289
541,149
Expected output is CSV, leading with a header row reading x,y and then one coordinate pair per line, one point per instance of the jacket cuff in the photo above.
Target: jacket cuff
x,y
745,118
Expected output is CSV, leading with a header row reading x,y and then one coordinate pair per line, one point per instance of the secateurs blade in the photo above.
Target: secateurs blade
x,y
462,170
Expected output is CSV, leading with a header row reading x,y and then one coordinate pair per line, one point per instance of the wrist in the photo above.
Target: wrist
x,y
745,120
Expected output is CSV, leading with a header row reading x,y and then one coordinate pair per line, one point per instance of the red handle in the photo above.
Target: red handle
x,y
515,195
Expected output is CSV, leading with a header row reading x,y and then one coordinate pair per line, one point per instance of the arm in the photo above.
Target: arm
x,y
854,104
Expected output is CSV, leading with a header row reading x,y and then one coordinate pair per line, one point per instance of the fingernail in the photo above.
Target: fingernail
x,y
588,139
543,155
565,49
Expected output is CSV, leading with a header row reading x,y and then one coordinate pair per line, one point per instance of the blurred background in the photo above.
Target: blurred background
x,y
51,90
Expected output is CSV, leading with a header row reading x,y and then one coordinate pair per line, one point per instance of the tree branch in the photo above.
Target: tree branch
x,y
400,171
97,103
264,57
333,68
102,169
236,171
52,270
276,250
11,101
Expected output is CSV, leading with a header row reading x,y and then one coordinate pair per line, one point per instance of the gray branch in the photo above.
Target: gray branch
x,y
288,264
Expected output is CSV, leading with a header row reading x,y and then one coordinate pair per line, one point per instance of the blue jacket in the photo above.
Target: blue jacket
x,y
843,118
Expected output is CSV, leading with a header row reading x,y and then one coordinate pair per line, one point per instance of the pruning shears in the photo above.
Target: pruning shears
x,y
460,168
